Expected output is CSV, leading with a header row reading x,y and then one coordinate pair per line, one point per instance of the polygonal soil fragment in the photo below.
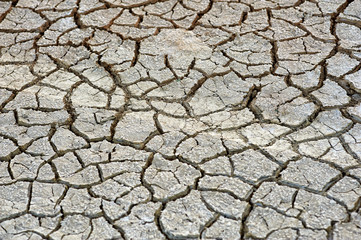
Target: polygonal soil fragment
x,y
180,52
185,217
135,127
331,94
16,202
15,77
141,218
201,147
73,226
353,139
169,178
263,221
334,67
219,92
309,173
22,19
348,230
64,139
253,165
87,96
225,204
231,185
277,196
94,123
318,211
347,190
223,228
45,197
326,123
263,134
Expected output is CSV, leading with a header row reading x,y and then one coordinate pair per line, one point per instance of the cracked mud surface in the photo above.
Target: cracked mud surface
x,y
180,119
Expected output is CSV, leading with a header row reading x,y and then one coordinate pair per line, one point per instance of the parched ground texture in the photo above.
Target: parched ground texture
x,y
180,119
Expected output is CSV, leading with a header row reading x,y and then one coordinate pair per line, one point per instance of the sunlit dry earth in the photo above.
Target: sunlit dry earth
x,y
180,119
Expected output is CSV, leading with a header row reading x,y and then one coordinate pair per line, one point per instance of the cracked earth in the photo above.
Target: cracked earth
x,y
180,119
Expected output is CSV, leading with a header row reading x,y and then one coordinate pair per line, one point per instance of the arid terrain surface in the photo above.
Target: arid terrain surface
x,y
180,119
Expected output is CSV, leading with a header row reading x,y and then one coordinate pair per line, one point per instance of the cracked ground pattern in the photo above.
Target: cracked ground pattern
x,y
180,119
